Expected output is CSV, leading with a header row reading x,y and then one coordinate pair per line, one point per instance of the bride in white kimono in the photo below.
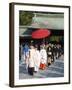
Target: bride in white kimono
x,y
43,56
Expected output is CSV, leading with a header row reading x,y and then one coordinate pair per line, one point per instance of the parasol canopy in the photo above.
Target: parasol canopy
x,y
40,33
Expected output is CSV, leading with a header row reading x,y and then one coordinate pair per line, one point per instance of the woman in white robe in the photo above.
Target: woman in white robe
x,y
36,59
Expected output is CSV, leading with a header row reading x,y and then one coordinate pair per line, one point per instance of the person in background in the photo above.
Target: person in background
x,y
43,56
55,51
31,60
26,54
52,46
36,59
60,51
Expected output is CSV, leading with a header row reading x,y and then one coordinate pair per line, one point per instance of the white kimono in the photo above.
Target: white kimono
x,y
43,55
36,60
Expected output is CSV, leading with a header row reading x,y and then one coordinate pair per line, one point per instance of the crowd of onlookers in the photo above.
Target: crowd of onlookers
x,y
40,56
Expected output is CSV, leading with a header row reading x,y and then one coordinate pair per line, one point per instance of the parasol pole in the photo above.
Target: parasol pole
x,y
43,40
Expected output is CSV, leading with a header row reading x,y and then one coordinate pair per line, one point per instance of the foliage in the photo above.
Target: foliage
x,y
25,18
55,38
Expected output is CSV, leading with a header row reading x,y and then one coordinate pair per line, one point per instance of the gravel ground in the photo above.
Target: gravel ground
x,y
56,69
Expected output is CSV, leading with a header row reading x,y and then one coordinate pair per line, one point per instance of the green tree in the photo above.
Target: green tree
x,y
25,18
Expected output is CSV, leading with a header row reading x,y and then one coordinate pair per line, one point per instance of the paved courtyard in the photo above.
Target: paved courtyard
x,y
56,69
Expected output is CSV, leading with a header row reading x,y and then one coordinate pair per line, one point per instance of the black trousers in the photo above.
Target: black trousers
x,y
30,70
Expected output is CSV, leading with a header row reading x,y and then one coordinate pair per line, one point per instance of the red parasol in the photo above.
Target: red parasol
x,y
40,33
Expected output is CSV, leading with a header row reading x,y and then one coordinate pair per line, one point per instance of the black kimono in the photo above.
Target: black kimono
x,y
50,54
